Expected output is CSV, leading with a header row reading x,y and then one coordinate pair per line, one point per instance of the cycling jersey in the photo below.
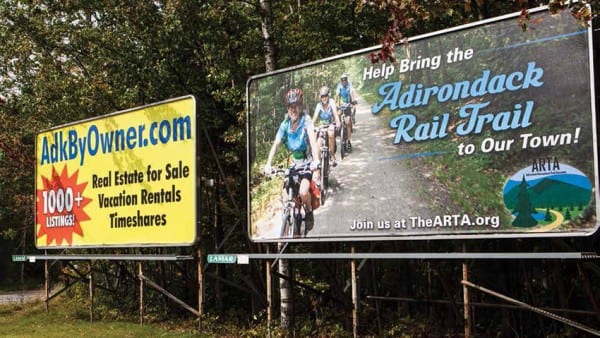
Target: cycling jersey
x,y
297,140
344,92
326,115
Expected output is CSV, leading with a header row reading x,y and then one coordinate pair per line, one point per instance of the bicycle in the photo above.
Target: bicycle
x,y
346,110
324,163
293,220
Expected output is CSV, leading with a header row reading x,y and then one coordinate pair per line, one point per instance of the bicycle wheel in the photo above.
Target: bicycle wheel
x,y
343,140
298,228
303,231
326,170
324,174
286,224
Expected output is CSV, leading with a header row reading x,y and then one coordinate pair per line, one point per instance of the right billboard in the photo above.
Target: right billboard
x,y
481,131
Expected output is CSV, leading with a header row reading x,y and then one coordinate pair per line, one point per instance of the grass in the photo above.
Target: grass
x,y
68,316
68,319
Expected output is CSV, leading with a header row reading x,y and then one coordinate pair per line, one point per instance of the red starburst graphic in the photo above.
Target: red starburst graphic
x,y
59,207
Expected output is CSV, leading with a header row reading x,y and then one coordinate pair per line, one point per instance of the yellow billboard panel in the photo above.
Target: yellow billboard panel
x,y
122,180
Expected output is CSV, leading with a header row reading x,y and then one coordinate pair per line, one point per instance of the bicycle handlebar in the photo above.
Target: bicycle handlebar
x,y
295,168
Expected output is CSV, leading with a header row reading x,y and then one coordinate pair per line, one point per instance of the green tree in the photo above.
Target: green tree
x,y
524,209
548,215
61,62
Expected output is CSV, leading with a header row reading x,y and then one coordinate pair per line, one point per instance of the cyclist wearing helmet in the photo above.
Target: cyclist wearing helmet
x,y
326,113
297,131
345,94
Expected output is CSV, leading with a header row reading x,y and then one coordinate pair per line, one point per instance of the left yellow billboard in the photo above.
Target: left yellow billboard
x,y
127,179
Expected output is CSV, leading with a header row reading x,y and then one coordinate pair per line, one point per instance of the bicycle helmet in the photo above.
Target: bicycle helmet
x,y
294,96
324,91
344,76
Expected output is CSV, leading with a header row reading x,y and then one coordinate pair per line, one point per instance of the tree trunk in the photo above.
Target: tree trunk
x,y
270,65
285,291
267,27
218,236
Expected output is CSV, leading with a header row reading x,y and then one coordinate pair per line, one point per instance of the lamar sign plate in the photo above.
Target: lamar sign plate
x,y
222,259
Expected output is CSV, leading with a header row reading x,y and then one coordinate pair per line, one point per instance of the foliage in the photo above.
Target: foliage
x,y
65,61
409,16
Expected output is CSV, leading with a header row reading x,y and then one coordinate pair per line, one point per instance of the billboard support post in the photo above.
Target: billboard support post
x,y
88,278
141,309
200,284
532,308
269,295
91,292
354,297
467,312
46,285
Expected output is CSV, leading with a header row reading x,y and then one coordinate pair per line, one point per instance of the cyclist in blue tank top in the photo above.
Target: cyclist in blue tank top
x,y
345,94
327,114
297,131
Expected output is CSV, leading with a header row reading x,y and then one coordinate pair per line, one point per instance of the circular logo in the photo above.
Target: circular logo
x,y
546,194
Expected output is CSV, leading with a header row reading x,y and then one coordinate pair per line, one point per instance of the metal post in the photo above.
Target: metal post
x,y
200,284
91,288
46,284
354,297
467,312
269,295
140,276
534,309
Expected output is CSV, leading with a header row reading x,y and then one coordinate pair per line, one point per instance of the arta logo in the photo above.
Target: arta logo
x,y
547,196
59,207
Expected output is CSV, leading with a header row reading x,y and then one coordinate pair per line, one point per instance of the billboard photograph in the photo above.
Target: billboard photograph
x,y
481,131
126,179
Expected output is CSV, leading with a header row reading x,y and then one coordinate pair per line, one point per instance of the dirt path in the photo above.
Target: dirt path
x,y
16,297
371,184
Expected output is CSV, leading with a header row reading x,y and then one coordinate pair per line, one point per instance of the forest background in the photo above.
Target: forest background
x,y
66,61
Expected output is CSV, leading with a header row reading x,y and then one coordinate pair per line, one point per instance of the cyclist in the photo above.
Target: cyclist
x,y
297,131
326,113
345,94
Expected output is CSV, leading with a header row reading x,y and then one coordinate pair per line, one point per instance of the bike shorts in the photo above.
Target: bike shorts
x,y
347,111
330,128
306,173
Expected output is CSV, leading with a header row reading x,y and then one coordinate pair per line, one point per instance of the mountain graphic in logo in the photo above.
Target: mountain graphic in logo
x,y
548,196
